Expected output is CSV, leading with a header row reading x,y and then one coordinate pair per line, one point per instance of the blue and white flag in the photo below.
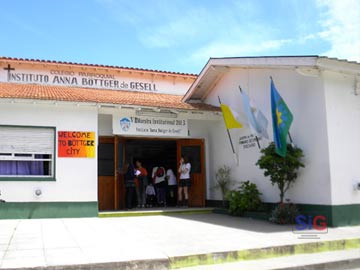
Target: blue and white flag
x,y
257,120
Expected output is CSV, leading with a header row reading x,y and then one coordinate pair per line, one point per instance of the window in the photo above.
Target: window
x,y
27,152
106,159
193,153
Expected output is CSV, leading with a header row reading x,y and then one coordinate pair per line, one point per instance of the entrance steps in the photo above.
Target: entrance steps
x,y
140,212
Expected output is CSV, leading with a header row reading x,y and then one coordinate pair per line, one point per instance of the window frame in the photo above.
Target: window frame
x,y
35,178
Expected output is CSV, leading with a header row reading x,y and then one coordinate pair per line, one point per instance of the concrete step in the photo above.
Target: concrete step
x,y
157,212
335,260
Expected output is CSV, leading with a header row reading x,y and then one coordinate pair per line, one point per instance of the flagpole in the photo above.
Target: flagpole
x,y
256,137
231,143
290,137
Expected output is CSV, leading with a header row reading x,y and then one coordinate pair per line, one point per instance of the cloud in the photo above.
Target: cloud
x,y
196,30
341,28
166,24
238,48
175,31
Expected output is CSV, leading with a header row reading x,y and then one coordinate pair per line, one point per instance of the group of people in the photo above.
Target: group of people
x,y
161,188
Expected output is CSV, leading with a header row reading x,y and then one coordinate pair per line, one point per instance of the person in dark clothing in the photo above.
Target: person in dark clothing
x,y
141,182
130,187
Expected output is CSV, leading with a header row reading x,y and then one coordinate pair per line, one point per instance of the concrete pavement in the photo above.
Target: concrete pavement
x,y
154,242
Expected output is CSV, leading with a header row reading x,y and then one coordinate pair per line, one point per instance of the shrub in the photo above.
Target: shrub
x,y
245,198
284,213
283,171
223,181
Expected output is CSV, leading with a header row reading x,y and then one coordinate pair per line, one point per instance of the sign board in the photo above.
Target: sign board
x,y
76,144
91,78
249,141
150,126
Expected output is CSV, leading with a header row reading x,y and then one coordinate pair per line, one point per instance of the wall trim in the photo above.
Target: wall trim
x,y
31,210
337,215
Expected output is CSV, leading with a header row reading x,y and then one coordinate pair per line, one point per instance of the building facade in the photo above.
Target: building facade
x,y
66,130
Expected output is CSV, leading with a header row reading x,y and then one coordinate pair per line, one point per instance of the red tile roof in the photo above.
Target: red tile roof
x,y
3,58
75,94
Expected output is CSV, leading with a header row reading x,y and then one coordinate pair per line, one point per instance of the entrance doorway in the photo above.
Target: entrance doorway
x,y
152,152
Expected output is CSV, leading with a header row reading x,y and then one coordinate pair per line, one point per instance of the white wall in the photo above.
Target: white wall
x,y
305,98
76,178
343,112
105,125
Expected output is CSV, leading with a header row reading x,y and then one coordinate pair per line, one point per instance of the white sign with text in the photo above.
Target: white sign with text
x,y
90,78
150,126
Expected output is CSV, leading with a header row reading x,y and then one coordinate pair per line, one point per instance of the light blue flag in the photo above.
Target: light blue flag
x,y
257,120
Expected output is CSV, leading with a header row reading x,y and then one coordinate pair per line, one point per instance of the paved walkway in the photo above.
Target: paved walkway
x,y
50,242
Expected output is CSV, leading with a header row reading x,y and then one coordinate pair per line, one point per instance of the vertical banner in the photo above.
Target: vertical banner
x,y
76,144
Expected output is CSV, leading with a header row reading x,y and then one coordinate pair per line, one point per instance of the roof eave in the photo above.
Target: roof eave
x,y
13,100
275,62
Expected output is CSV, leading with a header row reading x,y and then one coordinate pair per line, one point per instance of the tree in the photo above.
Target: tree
x,y
283,171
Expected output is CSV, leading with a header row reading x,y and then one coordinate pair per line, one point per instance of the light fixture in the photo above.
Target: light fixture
x,y
38,192
308,71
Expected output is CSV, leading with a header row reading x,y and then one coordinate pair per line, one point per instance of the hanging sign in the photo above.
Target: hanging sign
x,y
76,144
150,126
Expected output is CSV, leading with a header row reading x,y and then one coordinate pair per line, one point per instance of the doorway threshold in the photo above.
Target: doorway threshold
x,y
156,212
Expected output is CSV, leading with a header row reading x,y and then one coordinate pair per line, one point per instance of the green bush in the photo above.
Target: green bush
x,y
283,171
284,213
245,198
223,181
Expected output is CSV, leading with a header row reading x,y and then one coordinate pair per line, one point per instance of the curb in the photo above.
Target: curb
x,y
262,253
157,264
156,213
224,257
343,264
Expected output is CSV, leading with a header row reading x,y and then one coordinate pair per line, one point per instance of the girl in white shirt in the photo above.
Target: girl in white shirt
x,y
185,181
172,187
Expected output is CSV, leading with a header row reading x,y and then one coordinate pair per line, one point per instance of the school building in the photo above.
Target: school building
x,y
67,128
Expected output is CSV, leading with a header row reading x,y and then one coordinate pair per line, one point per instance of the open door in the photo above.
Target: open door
x,y
194,150
106,173
111,190
119,173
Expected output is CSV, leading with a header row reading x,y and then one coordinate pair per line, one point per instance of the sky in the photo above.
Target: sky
x,y
177,35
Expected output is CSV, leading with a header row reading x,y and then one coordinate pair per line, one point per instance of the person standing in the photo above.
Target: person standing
x,y
142,182
172,187
158,175
129,179
184,182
